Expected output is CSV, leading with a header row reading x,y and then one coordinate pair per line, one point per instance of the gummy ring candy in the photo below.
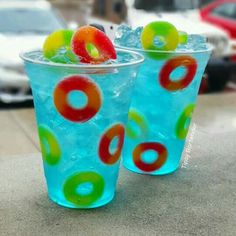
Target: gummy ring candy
x,y
158,148
142,123
87,35
183,122
57,40
104,153
71,185
72,83
52,154
188,62
183,37
165,31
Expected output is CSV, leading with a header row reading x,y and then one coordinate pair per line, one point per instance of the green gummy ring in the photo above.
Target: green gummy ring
x,y
140,120
57,40
53,155
183,37
181,129
164,30
72,183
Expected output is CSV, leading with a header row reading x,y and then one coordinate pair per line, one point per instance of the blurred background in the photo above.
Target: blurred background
x,y
25,24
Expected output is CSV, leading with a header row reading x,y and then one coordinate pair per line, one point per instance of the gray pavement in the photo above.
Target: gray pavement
x,y
198,199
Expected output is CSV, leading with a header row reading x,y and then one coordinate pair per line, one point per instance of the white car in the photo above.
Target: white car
x,y
23,26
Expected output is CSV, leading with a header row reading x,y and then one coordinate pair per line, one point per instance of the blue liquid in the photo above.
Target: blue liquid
x,y
78,141
161,109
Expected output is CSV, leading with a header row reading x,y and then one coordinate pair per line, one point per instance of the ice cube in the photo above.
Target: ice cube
x,y
127,37
122,31
195,43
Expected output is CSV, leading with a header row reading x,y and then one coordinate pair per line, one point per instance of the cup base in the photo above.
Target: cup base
x,y
72,206
137,171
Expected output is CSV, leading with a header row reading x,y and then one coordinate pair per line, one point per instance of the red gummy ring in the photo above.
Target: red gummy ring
x,y
157,164
188,62
117,130
91,35
72,83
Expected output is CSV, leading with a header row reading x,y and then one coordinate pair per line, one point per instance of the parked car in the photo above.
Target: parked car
x,y
185,16
23,26
222,13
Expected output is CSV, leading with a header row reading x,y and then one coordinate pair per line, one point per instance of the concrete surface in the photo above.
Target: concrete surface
x,y
198,199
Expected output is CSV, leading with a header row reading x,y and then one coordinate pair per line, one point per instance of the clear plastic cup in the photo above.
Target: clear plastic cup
x,y
161,109
81,112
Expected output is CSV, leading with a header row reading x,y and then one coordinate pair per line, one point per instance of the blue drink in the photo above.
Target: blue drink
x,y
162,105
81,111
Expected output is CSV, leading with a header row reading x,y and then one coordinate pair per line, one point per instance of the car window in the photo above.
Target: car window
x,y
165,5
21,20
227,10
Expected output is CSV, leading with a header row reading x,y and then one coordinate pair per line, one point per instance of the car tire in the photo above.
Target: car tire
x,y
218,73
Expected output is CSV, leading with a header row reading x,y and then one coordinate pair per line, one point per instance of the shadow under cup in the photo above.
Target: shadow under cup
x,y
161,109
81,112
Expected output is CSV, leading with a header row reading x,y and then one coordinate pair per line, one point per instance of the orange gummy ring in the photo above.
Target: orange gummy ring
x,y
72,83
186,61
157,164
90,35
108,158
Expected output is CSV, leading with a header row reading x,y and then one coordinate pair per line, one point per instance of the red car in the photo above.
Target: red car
x,y
221,13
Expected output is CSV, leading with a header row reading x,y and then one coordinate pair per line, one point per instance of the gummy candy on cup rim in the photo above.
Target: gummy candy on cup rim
x,y
131,38
87,45
92,45
57,47
159,38
165,31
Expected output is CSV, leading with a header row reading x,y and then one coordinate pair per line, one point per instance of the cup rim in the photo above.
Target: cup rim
x,y
138,59
210,48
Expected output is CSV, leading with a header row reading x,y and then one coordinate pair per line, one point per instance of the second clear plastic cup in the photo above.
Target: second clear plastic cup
x,y
81,112
162,104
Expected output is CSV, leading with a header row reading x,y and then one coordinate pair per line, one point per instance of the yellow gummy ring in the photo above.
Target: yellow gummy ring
x,y
139,119
165,31
57,40
72,183
52,154
183,122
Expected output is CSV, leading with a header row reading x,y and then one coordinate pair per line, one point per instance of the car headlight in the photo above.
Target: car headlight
x,y
220,43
